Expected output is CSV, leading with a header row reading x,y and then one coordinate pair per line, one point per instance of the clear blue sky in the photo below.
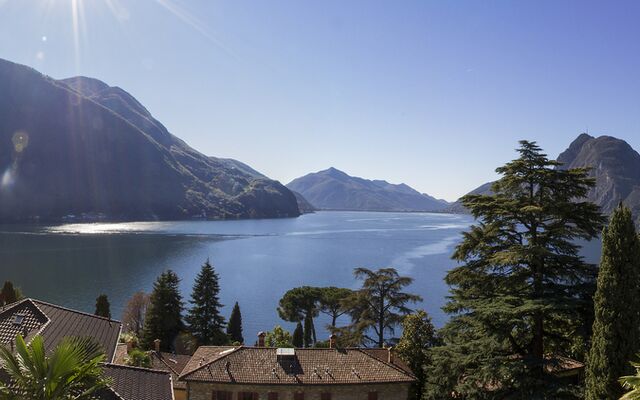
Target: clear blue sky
x,y
435,94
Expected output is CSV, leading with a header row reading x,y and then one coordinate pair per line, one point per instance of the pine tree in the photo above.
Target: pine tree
x,y
331,302
522,286
163,319
615,339
379,306
298,336
301,304
204,318
234,328
103,308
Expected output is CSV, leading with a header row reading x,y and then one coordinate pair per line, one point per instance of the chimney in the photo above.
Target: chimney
x,y
391,358
261,336
156,343
332,341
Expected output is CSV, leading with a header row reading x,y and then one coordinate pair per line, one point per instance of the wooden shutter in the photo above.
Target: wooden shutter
x,y
373,395
272,396
325,396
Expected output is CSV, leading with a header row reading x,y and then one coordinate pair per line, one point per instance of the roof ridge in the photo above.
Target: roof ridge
x,y
235,349
161,357
392,365
131,367
72,310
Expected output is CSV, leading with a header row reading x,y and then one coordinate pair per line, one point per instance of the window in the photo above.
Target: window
x,y
373,395
221,395
298,396
247,396
325,396
272,396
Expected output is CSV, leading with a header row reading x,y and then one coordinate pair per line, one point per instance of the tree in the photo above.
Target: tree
x,y
9,293
234,328
72,371
522,288
301,304
164,316
418,337
331,302
103,308
615,330
278,337
135,312
298,336
380,304
139,358
204,318
631,383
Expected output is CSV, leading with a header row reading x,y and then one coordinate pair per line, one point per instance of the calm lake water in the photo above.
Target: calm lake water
x,y
257,260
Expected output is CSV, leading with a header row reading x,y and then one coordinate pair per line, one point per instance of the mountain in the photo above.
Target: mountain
x,y
457,208
614,164
303,204
80,147
333,189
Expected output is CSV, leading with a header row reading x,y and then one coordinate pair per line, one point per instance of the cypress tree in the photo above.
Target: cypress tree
x,y
8,293
298,336
103,308
615,330
164,315
234,328
308,331
204,319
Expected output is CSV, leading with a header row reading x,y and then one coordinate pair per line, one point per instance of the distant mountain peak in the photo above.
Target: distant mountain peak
x,y
614,164
336,190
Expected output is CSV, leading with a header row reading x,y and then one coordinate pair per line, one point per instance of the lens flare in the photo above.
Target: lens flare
x,y
20,141
8,177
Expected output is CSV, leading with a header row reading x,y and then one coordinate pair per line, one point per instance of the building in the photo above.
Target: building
x,y
30,317
264,373
131,383
160,361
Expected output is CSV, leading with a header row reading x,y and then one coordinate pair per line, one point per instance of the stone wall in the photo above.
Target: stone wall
x,y
388,391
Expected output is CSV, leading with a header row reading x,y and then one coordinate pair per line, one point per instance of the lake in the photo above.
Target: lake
x,y
257,260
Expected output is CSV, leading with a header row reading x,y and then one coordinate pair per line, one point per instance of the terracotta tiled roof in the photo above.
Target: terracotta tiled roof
x,y
169,362
262,365
131,383
205,355
172,363
22,318
54,323
383,355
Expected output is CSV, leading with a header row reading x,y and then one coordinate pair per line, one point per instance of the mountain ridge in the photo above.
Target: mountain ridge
x,y
78,146
333,189
614,164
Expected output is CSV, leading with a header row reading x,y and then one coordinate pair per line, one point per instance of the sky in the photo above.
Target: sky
x,y
435,94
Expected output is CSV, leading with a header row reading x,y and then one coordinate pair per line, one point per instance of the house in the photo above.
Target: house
x,y
30,317
131,383
170,363
265,373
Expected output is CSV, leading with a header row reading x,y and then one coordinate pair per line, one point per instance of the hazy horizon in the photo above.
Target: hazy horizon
x,y
432,94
